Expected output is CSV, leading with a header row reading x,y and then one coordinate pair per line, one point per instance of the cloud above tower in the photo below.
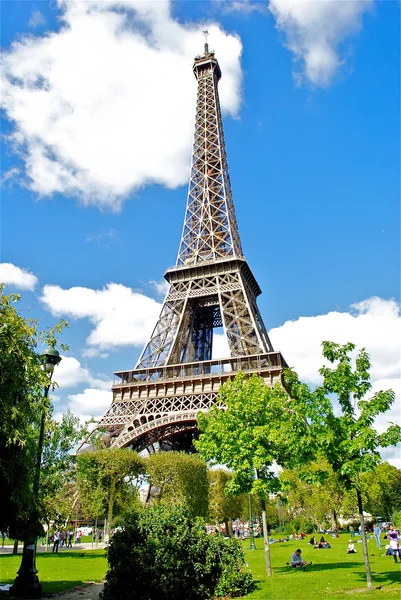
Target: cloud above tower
x,y
314,32
105,104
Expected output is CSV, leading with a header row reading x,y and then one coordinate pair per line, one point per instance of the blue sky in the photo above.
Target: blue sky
x,y
98,108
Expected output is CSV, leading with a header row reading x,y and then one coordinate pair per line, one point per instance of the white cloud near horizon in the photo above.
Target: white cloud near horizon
x,y
373,324
17,276
314,32
70,373
120,316
106,104
90,403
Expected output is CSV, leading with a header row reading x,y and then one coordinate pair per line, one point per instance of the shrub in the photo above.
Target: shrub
x,y
161,554
396,518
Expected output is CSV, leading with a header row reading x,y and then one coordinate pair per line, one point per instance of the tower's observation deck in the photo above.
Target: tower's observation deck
x,y
211,286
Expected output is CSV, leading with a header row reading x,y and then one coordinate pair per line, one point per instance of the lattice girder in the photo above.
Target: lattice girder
x,y
144,407
231,289
211,286
210,228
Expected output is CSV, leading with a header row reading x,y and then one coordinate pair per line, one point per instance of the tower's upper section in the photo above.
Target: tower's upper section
x,y
210,228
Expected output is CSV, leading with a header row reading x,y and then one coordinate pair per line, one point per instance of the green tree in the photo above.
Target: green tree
x,y
58,464
318,503
381,493
106,477
247,437
22,404
382,490
348,441
176,477
223,507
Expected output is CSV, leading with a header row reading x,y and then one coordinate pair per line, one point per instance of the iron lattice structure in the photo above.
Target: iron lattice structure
x,y
211,286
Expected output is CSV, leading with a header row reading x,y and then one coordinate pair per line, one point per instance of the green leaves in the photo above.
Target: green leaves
x,y
180,478
22,402
105,479
164,553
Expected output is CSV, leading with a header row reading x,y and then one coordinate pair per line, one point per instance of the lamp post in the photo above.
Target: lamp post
x,y
26,584
251,540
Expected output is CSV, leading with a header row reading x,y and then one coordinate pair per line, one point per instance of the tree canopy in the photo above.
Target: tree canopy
x,y
22,402
181,478
106,479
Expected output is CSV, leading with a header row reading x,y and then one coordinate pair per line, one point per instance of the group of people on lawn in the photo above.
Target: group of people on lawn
x,y
319,545
393,548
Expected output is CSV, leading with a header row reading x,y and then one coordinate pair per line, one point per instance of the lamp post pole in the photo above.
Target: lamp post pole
x,y
251,540
26,584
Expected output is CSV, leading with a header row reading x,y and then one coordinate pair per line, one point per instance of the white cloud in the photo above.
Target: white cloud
x,y
103,239
90,403
9,175
70,373
20,278
106,104
161,287
220,346
120,316
374,324
36,19
244,7
314,31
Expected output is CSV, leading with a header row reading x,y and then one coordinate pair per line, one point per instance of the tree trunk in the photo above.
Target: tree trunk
x,y
364,542
15,548
147,499
226,530
334,523
110,512
266,540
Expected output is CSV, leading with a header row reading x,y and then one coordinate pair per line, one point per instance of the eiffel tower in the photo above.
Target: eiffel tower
x,y
211,286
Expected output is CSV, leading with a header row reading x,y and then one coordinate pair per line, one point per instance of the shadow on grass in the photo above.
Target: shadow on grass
x,y
320,567
56,556
383,577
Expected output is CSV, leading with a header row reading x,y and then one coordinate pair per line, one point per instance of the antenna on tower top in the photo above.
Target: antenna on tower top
x,y
206,33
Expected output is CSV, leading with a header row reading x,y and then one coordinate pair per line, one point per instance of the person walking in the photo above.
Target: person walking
x,y
70,535
394,538
56,541
376,531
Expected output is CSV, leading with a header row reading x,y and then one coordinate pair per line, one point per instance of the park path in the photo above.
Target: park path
x,y
89,591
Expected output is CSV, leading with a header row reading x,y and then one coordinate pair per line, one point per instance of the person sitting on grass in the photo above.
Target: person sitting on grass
x,y
297,562
312,541
351,548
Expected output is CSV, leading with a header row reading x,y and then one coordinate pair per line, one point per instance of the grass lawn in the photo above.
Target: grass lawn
x,y
59,572
333,573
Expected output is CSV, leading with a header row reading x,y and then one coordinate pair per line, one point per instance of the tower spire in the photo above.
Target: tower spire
x,y
210,229
206,34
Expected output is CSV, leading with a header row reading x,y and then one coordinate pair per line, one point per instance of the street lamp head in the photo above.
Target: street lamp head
x,y
51,359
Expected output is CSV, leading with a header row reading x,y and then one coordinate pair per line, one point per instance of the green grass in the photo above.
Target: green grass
x,y
59,572
324,579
